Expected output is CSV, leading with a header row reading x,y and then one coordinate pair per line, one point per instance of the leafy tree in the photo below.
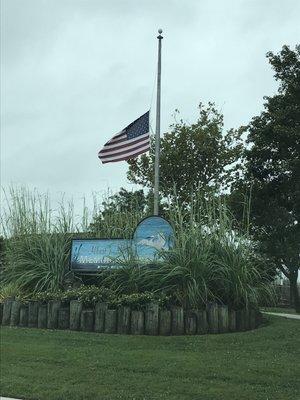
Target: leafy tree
x,y
120,214
272,169
193,156
125,200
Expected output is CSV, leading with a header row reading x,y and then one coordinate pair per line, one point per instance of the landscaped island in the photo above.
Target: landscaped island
x,y
135,318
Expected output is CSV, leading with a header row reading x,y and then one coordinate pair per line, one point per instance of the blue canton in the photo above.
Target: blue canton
x,y
139,127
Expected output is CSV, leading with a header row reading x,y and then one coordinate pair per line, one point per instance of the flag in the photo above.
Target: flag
x,y
129,143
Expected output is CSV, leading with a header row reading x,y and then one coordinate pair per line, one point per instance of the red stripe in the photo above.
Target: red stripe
x,y
112,154
115,141
126,158
123,145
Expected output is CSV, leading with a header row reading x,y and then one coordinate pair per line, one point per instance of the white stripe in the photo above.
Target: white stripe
x,y
145,148
111,146
114,138
127,148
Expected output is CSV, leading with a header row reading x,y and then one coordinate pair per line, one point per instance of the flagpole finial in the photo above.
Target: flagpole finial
x,y
159,34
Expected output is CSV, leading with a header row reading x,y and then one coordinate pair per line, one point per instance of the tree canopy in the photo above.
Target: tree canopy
x,y
193,156
272,169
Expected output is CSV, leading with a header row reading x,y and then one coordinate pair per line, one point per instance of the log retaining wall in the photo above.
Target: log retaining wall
x,y
153,320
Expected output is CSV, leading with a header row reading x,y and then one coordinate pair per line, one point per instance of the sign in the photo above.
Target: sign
x,y
152,235
91,255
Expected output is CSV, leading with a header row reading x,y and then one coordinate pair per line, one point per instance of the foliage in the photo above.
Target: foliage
x,y
92,294
11,290
211,261
193,156
37,242
272,170
120,214
140,300
86,294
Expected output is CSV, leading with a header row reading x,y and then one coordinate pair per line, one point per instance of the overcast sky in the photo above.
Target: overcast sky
x,y
75,72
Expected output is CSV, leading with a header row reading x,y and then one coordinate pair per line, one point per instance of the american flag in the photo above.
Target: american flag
x,y
129,143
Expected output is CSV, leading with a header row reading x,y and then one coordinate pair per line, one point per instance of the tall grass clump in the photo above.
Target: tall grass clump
x,y
37,240
38,237
212,260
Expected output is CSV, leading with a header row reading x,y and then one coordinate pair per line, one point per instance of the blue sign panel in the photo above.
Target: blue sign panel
x,y
92,255
152,235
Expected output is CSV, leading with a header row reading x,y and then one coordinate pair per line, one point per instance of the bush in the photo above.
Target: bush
x,y
89,295
211,260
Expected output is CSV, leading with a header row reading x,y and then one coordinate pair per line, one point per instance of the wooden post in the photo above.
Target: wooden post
x,y
63,318
202,325
247,319
6,311
232,320
15,313
100,309
177,321
165,322
110,321
137,322
240,320
151,319
75,314
191,323
258,318
33,309
252,317
23,316
87,320
1,312
223,318
213,317
42,316
53,307
124,320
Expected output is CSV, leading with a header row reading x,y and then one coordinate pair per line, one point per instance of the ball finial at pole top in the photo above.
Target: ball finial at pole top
x,y
160,31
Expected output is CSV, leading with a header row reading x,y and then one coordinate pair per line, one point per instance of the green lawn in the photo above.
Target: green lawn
x,y
45,365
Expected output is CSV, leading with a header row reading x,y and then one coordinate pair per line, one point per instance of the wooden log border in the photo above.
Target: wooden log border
x,y
152,321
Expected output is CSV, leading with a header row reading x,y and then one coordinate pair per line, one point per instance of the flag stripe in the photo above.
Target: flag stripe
x,y
128,157
128,149
130,142
117,138
122,141
134,142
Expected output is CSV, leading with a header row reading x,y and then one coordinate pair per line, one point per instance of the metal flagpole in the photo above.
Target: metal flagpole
x,y
157,130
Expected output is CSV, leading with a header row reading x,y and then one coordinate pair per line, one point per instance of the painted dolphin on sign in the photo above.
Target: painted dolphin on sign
x,y
157,241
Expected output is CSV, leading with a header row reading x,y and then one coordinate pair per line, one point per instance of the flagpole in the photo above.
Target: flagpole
x,y
157,130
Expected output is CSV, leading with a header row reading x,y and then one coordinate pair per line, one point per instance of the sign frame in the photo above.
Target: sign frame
x,y
108,267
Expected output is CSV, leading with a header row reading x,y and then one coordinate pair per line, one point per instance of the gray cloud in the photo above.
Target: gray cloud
x,y
75,72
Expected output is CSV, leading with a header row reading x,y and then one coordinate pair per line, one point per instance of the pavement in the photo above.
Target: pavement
x,y
7,398
291,316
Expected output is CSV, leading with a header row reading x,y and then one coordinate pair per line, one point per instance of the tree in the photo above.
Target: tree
x,y
193,156
120,213
272,169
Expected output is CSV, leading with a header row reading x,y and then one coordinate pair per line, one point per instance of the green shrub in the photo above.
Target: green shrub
x,y
138,301
11,290
87,294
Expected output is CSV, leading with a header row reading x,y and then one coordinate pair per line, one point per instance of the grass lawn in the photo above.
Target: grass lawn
x,y
47,365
